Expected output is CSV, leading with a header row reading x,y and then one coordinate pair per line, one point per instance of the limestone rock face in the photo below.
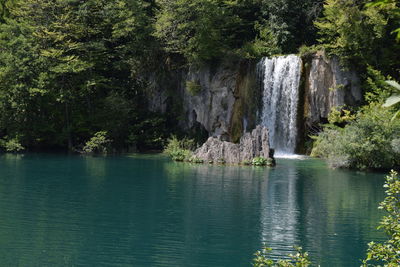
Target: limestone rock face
x,y
328,86
212,106
225,104
228,98
254,144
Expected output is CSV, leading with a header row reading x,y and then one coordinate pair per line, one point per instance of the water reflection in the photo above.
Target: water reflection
x,y
279,211
328,212
123,211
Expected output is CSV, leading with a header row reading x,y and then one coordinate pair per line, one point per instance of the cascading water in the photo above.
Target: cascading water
x,y
280,80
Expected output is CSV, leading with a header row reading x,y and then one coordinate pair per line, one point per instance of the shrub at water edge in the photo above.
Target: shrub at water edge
x,y
261,161
98,144
11,145
388,252
368,142
180,150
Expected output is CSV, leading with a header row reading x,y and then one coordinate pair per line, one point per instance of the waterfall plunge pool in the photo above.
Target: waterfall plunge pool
x,y
61,210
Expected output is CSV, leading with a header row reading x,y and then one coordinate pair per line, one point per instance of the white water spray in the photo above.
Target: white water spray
x,y
280,78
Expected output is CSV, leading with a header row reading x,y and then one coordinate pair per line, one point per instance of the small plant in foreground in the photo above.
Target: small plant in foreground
x,y
388,252
385,254
299,259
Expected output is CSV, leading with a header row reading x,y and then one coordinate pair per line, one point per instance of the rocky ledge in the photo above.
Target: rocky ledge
x,y
253,149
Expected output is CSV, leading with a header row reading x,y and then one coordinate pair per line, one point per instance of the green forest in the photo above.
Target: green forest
x,y
72,70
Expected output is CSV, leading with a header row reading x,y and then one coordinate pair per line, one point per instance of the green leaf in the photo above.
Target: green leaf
x,y
393,100
394,84
395,115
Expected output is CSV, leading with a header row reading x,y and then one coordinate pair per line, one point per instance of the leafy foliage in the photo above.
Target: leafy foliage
x,y
264,44
66,66
179,150
261,161
97,144
395,12
195,160
378,254
69,68
194,28
11,145
376,88
300,259
340,115
365,143
291,21
358,33
394,99
388,251
203,30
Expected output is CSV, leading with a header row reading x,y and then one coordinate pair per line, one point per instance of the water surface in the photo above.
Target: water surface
x,y
59,210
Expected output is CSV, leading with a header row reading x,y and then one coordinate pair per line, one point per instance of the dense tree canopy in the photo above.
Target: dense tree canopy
x,y
71,68
206,29
73,64
360,33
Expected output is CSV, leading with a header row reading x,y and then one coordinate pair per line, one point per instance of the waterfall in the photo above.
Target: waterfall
x,y
280,79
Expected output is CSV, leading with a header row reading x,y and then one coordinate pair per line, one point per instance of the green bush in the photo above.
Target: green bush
x,y
196,160
365,143
394,100
98,144
305,51
259,161
193,88
355,32
11,145
388,251
378,254
340,115
264,45
179,150
376,88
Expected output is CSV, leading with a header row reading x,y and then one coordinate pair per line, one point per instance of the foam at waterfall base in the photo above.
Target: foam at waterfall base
x,y
285,155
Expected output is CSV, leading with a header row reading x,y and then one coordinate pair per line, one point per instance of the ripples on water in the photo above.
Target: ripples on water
x,y
147,211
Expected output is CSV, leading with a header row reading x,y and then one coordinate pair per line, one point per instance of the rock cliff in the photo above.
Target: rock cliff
x,y
328,85
252,144
225,99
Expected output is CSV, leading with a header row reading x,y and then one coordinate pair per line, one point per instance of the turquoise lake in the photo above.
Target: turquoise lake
x,y
59,210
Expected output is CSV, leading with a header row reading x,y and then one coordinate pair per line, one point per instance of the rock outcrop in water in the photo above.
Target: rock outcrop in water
x,y
251,145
